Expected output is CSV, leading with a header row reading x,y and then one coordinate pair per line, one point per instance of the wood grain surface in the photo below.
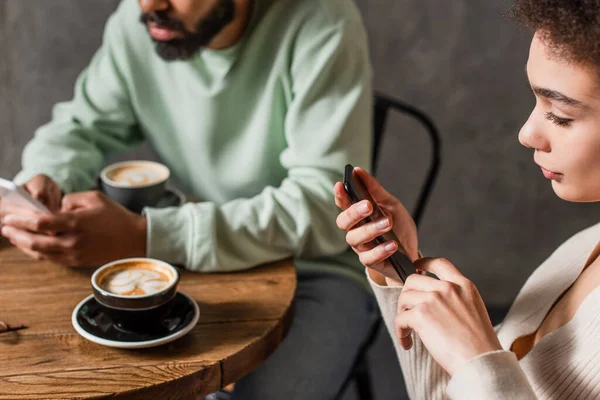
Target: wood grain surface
x,y
244,317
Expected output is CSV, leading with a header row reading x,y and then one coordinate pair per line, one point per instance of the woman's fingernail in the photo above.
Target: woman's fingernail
x,y
390,246
383,224
363,208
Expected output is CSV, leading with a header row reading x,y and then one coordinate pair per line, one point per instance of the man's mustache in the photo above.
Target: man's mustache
x,y
161,19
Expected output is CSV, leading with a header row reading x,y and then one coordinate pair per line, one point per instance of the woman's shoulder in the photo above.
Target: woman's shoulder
x,y
562,267
572,252
569,258
547,282
567,261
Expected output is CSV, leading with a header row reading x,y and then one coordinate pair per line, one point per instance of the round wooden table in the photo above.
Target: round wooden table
x,y
244,317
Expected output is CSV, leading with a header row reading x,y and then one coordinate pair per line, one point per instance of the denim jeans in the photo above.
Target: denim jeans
x,y
333,319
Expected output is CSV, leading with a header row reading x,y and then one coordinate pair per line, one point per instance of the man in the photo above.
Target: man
x,y
255,106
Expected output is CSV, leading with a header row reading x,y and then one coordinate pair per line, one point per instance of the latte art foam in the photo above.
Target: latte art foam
x,y
135,280
134,175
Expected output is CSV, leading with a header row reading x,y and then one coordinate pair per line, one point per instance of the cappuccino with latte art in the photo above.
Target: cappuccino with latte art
x,y
137,173
135,278
135,291
135,184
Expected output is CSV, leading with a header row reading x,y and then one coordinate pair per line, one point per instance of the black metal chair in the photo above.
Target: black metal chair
x,y
381,107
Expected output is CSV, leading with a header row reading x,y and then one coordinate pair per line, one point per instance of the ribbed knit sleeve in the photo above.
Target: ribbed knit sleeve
x,y
424,377
563,365
496,375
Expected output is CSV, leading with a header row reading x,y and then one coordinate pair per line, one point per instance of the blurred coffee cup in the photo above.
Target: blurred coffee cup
x,y
135,184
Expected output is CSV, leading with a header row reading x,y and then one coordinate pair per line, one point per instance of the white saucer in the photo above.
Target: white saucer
x,y
134,344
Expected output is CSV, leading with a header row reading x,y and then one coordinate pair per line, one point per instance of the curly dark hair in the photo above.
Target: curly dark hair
x,y
570,28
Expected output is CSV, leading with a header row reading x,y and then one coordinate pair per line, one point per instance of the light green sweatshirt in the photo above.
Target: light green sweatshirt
x,y
260,132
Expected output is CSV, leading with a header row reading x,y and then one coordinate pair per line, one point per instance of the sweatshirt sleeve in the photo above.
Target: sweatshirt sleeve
x,y
97,121
327,125
495,375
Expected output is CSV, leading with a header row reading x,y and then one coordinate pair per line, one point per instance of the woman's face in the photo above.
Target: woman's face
x,y
564,127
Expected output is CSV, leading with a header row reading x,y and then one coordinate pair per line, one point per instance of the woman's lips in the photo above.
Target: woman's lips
x,y
550,174
161,33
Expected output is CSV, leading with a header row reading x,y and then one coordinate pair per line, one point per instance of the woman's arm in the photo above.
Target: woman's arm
x,y
424,377
442,333
459,356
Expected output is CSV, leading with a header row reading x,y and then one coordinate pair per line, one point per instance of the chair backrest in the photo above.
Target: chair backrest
x,y
381,107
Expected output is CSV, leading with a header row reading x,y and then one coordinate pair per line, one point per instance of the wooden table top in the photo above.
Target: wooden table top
x,y
243,318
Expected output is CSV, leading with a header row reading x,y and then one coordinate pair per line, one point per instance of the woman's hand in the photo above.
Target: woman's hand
x,y
361,237
448,315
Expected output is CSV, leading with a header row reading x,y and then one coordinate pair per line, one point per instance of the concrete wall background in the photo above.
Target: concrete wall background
x,y
492,212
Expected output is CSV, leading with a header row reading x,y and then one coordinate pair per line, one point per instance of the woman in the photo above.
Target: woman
x,y
549,343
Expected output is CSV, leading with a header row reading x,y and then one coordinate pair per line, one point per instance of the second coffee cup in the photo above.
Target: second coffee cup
x,y
135,184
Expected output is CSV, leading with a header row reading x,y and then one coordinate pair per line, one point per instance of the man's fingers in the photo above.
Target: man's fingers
x,y
54,197
40,189
40,223
36,188
36,255
81,200
21,219
35,242
45,190
7,208
57,258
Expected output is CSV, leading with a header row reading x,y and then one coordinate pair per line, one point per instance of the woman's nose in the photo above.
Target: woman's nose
x,y
532,134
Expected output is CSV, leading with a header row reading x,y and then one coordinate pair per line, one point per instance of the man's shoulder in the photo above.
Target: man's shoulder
x,y
333,11
317,12
127,18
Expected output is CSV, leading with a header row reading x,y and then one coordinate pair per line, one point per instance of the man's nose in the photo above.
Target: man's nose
x,y
148,6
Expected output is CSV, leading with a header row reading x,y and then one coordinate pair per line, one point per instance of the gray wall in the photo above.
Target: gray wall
x,y
492,212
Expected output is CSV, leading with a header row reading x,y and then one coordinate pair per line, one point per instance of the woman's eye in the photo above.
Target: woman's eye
x,y
562,122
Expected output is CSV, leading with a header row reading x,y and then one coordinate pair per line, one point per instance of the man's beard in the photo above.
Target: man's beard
x,y
191,43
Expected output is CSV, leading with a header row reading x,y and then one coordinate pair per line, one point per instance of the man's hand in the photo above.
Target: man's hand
x,y
45,190
448,315
41,188
89,230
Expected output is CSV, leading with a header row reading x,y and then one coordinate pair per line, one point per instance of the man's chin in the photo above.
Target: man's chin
x,y
175,50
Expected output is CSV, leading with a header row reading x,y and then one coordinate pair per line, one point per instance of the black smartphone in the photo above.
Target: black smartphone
x,y
357,191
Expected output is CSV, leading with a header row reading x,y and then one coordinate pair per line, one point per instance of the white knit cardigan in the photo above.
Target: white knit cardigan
x,y
564,364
